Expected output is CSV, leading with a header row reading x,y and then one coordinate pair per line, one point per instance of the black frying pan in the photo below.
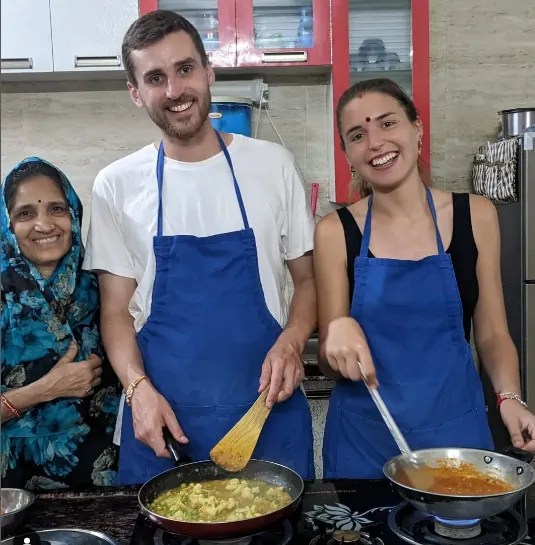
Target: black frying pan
x,y
188,472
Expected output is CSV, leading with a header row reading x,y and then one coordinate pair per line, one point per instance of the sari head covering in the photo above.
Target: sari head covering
x,y
40,317
65,441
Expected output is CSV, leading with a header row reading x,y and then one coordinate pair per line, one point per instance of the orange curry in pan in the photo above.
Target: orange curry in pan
x,y
456,478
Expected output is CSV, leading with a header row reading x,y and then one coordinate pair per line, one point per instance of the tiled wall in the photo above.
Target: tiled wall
x,y
82,131
482,60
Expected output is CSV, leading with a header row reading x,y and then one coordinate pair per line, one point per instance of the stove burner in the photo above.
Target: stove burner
x,y
353,536
277,534
418,528
238,541
344,537
457,529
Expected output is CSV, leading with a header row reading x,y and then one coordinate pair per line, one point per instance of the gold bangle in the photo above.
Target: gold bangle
x,y
130,390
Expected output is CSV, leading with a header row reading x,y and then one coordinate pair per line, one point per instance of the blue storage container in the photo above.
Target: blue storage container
x,y
231,114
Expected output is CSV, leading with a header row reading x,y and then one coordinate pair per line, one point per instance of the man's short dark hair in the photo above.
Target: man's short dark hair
x,y
153,27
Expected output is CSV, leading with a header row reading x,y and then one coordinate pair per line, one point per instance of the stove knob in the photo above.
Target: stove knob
x,y
346,536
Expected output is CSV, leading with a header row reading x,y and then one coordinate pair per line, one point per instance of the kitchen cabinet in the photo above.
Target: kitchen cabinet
x,y
283,32
252,33
26,42
88,35
214,19
379,39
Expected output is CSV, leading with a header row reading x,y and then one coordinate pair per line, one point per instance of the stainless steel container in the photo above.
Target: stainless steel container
x,y
15,505
72,536
514,122
516,472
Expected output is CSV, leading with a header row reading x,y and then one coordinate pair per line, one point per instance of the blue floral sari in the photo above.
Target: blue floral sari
x,y
64,443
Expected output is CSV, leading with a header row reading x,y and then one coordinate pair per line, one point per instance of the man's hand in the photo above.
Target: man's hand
x,y
282,370
150,413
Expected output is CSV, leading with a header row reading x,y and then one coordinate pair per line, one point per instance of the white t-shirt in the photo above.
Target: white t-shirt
x,y
199,199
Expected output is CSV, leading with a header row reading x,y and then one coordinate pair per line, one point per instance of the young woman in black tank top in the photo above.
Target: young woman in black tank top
x,y
401,276
462,249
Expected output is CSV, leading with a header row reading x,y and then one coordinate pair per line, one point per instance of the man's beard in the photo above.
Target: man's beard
x,y
187,128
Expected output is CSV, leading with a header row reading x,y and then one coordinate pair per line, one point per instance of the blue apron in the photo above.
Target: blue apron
x,y
411,314
203,346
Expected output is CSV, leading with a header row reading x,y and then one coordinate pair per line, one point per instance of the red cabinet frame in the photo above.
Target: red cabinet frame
x,y
341,81
318,55
225,56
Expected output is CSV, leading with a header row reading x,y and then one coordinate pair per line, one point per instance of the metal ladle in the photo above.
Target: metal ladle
x,y
418,472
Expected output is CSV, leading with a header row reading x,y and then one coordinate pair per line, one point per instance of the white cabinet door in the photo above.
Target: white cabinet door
x,y
88,35
26,43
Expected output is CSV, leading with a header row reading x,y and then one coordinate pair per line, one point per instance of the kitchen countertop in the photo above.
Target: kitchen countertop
x,y
111,511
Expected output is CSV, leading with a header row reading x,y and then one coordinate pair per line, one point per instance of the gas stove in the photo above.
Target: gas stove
x,y
362,512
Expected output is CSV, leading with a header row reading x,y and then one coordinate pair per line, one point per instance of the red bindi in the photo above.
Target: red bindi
x,y
368,120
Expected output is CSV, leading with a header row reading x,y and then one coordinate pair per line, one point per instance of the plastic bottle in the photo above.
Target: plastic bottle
x,y
305,31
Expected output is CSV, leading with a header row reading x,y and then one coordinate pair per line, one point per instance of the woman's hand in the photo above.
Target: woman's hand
x,y
520,423
346,347
73,379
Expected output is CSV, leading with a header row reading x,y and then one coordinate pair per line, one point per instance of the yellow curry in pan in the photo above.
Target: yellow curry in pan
x,y
226,500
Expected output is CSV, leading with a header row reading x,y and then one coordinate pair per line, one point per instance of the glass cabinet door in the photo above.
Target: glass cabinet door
x,y
283,24
202,14
380,43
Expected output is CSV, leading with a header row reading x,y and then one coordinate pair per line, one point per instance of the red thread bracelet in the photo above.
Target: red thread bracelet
x,y
10,407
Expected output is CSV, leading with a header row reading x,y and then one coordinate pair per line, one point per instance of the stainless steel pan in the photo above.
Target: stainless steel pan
x,y
270,472
512,467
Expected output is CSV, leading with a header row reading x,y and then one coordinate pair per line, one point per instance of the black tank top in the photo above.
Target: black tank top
x,y
462,249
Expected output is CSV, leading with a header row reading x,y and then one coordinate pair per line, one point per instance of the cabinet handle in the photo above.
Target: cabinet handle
x,y
94,62
290,56
17,64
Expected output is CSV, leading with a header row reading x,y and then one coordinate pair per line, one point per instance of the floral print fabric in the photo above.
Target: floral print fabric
x,y
65,442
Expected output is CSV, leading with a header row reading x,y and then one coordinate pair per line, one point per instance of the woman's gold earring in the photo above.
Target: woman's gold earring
x,y
420,143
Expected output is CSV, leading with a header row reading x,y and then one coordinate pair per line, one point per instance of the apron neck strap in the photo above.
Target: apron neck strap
x,y
159,176
434,214
365,245
236,186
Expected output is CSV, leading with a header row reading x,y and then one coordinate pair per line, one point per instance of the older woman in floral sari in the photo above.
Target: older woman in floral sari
x,y
59,398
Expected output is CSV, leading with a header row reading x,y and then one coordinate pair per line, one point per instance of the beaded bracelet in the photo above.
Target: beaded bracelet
x,y
130,390
500,398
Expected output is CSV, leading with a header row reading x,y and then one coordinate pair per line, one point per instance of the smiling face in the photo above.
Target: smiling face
x,y
173,85
41,221
380,141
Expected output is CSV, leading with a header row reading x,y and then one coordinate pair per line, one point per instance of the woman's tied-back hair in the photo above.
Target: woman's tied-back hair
x,y
386,87
150,29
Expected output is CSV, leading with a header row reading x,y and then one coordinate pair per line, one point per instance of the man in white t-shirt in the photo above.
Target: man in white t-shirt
x,y
191,238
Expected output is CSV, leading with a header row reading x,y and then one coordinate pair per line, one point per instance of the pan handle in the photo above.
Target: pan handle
x,y
177,450
519,454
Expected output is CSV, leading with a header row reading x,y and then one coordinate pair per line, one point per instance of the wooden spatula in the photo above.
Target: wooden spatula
x,y
234,451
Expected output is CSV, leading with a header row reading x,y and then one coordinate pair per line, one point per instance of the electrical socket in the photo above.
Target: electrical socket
x,y
265,95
